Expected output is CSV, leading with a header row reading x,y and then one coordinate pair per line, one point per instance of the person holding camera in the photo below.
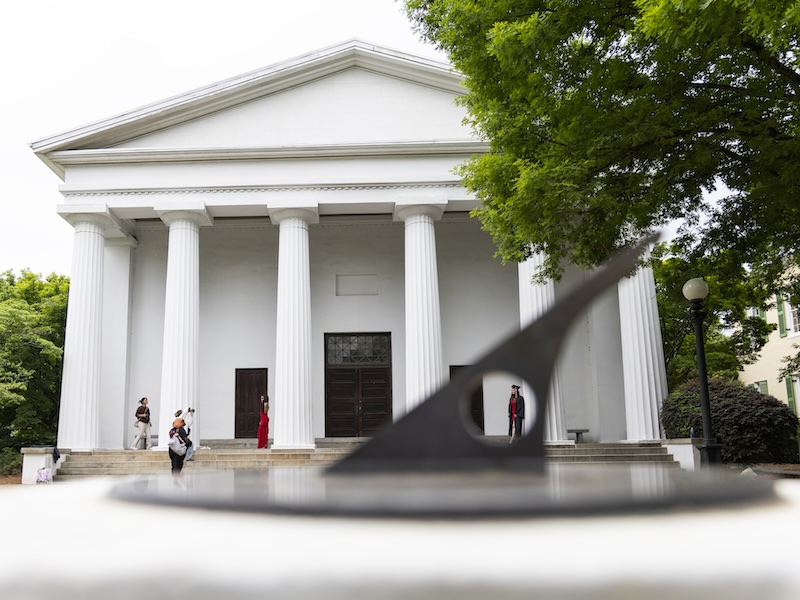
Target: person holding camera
x,y
188,419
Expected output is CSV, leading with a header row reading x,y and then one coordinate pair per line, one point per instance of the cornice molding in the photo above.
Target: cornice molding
x,y
105,156
263,189
325,222
250,86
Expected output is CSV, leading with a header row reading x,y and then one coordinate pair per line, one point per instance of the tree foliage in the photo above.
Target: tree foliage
x,y
752,427
732,338
609,119
32,322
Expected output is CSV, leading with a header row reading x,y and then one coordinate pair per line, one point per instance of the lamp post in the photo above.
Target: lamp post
x,y
695,291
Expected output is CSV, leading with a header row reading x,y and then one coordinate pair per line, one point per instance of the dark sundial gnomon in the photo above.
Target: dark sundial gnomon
x,y
431,438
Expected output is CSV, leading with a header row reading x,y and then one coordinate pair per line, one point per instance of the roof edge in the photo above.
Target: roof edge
x,y
242,88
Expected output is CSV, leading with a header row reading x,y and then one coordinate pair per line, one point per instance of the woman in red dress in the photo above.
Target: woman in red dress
x,y
263,425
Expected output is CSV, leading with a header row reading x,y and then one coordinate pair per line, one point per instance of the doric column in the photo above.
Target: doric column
x,y
179,361
424,362
78,421
292,425
644,370
534,300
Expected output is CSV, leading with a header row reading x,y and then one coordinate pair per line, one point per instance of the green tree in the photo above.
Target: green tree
x,y
32,322
733,338
608,119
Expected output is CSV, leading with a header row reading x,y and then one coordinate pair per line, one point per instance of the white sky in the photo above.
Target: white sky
x,y
66,63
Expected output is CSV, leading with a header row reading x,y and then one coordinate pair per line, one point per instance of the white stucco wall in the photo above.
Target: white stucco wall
x,y
298,116
608,375
592,384
480,308
238,293
357,249
115,428
147,320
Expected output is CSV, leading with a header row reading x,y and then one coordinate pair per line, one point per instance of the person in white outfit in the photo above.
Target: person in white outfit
x,y
143,425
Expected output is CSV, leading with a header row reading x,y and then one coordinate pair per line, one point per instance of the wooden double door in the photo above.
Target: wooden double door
x,y
251,384
358,384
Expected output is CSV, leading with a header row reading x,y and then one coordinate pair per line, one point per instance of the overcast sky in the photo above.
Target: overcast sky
x,y
67,63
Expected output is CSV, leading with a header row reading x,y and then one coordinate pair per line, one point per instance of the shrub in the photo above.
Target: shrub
x,y
752,427
10,462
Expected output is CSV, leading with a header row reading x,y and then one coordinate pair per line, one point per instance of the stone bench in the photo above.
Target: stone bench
x,y
578,434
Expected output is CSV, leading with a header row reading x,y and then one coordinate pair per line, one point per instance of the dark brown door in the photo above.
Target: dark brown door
x,y
358,384
251,384
476,401
357,400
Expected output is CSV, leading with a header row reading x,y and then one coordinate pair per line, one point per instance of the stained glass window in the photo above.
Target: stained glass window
x,y
357,348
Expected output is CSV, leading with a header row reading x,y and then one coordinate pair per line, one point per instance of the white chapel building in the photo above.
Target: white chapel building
x,y
298,231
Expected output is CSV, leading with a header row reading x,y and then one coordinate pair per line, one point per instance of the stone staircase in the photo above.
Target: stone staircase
x,y
213,455
607,453
243,454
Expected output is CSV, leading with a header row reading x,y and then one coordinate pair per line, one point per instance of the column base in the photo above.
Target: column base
x,y
293,446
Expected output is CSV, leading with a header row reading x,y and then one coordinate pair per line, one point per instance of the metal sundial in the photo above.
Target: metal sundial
x,y
428,464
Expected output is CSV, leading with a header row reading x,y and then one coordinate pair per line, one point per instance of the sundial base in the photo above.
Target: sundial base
x,y
563,489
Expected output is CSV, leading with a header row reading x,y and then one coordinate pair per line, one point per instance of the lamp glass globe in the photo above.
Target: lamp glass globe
x,y
695,289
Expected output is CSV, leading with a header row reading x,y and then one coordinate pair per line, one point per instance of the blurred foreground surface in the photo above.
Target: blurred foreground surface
x,y
74,541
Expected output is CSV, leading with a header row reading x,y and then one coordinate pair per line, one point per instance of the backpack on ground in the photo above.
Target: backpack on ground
x,y
176,443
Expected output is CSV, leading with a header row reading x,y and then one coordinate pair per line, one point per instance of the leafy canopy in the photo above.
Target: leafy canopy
x,y
611,118
32,322
733,338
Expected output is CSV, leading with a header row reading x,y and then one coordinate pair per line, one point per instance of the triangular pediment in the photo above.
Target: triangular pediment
x,y
350,94
354,106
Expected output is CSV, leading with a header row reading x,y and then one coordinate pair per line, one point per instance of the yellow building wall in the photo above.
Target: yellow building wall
x,y
768,366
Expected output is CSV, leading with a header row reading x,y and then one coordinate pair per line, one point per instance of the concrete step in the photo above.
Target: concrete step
x,y
252,443
580,450
613,458
143,456
238,455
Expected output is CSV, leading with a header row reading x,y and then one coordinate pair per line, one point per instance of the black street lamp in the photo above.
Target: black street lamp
x,y
695,291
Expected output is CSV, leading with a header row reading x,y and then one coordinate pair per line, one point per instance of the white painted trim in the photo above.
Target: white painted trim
x,y
105,156
249,86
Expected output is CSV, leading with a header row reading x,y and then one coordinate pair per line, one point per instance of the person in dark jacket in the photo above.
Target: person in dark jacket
x,y
143,425
516,413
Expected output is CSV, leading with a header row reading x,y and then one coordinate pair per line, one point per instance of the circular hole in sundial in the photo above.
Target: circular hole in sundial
x,y
496,407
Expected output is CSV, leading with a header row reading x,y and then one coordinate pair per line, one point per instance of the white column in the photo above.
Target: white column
x,y
643,365
179,362
292,426
534,300
78,421
424,362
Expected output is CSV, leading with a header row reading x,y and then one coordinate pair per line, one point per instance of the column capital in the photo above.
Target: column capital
x,y
409,206
309,213
98,214
192,211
